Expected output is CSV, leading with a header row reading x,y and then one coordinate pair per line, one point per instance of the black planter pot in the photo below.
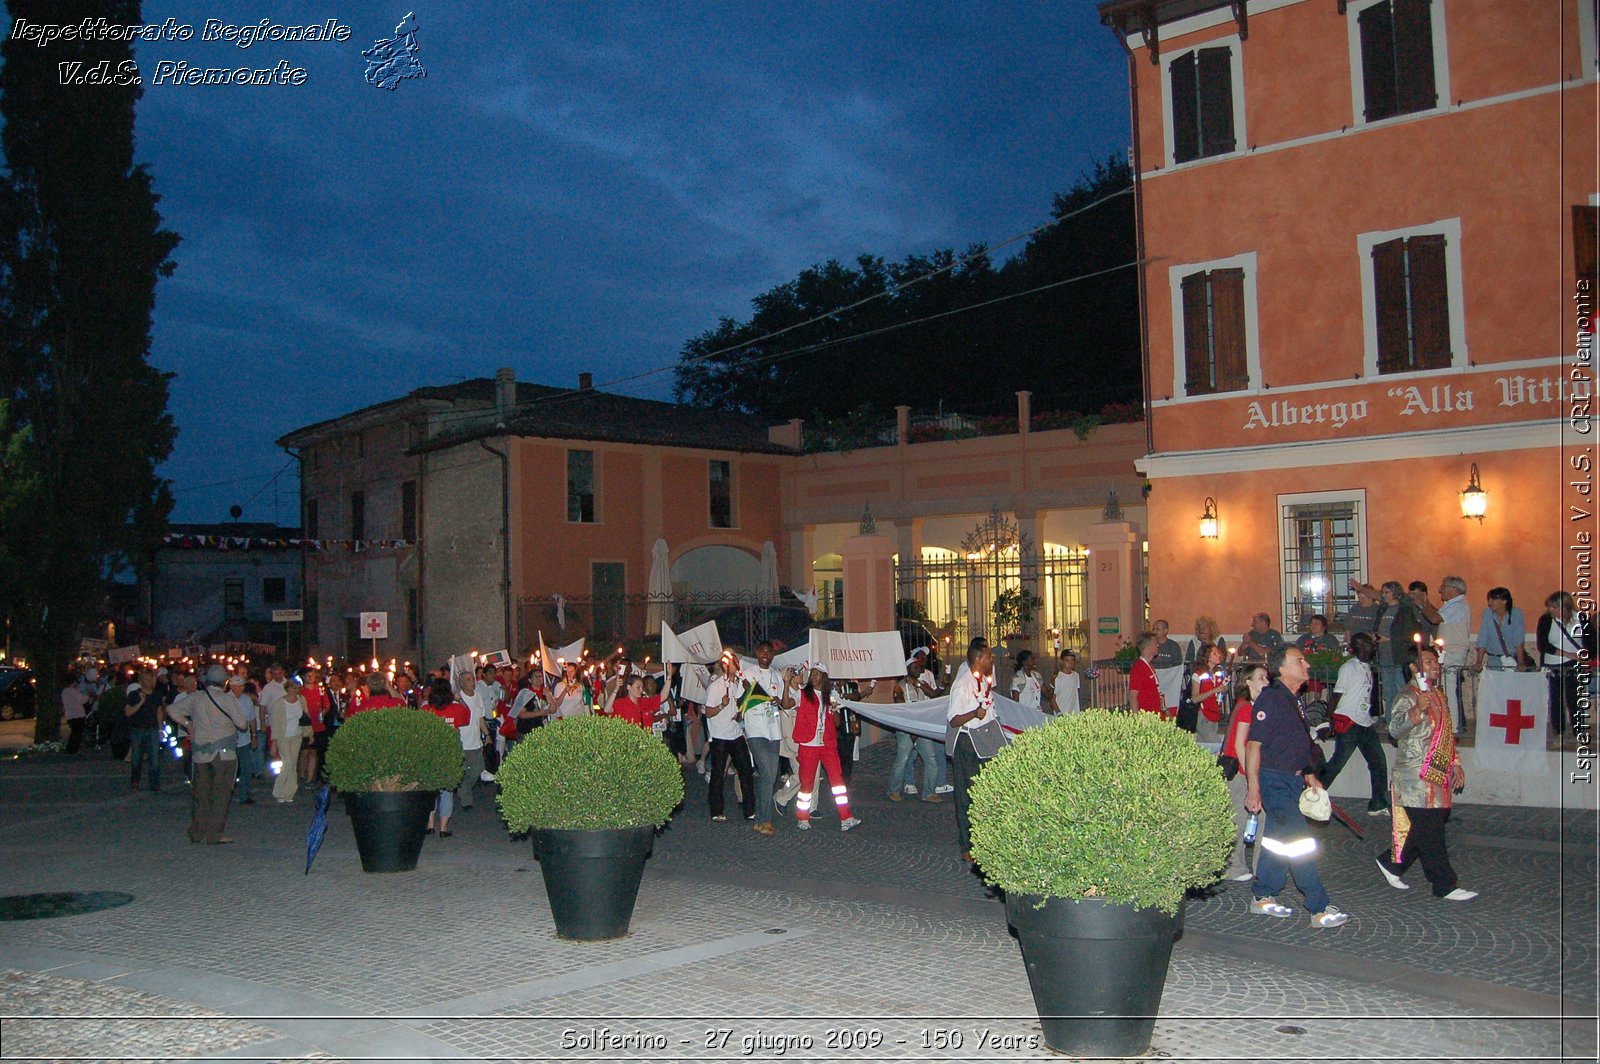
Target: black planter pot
x,y
1096,970
389,826
592,878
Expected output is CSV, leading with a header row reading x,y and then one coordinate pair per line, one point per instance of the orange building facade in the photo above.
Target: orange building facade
x,y
1367,236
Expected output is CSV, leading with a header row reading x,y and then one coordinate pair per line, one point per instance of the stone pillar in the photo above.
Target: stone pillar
x,y
1030,525
869,603
1114,591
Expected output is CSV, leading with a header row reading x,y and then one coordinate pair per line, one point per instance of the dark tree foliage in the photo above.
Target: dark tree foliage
x,y
921,345
81,248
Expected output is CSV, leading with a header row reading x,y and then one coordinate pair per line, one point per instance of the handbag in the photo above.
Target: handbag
x,y
1315,804
1341,723
986,739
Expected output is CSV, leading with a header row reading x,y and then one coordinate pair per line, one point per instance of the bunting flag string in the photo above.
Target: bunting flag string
x,y
185,541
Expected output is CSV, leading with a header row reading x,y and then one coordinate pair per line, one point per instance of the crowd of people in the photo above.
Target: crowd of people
x,y
1406,673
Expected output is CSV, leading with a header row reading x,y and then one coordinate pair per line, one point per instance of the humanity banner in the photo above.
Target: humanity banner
x,y
858,655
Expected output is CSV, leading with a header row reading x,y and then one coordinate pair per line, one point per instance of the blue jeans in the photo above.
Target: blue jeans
x,y
1394,681
904,771
247,772
1366,740
145,745
764,752
1280,798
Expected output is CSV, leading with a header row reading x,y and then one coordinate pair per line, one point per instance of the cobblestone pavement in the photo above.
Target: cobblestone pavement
x,y
879,944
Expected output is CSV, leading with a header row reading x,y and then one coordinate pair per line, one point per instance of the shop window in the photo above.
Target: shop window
x,y
233,601
721,489
1410,284
274,589
1214,329
1202,94
580,487
1321,544
1397,65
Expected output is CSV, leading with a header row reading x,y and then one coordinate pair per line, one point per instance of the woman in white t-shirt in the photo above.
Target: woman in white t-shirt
x,y
569,698
1027,686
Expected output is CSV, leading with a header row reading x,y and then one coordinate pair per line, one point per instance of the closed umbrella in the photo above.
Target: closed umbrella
x,y
769,572
659,603
319,823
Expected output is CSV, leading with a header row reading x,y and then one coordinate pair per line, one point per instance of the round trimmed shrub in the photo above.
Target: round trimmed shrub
x,y
584,773
395,749
1101,804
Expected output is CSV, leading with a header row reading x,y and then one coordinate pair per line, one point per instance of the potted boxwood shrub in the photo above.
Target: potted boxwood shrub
x,y
390,765
1095,825
593,791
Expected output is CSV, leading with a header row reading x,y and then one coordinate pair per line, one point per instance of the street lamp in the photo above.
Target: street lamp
x,y
1474,500
1208,520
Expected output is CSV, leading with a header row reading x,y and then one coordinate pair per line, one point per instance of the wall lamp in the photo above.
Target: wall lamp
x,y
1474,500
1208,520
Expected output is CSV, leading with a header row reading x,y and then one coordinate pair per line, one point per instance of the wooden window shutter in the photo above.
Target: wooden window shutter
x,y
1196,337
1376,26
1389,296
1413,56
1185,110
1586,247
1228,330
1430,302
1216,101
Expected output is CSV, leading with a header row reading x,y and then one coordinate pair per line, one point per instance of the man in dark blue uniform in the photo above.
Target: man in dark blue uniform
x,y
1277,765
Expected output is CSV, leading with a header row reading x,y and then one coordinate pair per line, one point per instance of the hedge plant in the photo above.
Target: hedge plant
x,y
1102,804
583,773
395,749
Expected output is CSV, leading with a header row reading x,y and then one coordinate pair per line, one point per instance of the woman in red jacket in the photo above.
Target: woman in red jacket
x,y
816,734
636,707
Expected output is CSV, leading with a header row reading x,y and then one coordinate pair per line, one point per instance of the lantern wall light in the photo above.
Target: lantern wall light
x,y
1208,520
1474,500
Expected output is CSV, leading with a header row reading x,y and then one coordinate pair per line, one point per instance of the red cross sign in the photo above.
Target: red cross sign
x,y
374,626
1513,720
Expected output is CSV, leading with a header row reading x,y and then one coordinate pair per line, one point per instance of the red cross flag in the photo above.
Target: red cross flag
x,y
1512,707
374,626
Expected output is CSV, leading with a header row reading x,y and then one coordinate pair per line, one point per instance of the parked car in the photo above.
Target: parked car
x,y
18,692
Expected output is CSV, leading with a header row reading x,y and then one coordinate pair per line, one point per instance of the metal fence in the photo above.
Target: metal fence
x,y
743,618
958,594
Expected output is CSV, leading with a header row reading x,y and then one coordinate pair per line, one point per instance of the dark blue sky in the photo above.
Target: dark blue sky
x,y
572,187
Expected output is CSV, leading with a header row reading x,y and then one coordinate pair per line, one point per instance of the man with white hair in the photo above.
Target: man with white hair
x,y
1455,630
213,717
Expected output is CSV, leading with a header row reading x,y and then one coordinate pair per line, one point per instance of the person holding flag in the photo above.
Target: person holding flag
x,y
767,692
816,735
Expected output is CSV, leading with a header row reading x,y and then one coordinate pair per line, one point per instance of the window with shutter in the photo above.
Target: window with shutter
x,y
1411,294
1196,336
1202,103
1214,332
1397,67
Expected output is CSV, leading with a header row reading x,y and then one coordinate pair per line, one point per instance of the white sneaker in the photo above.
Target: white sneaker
x,y
1243,877
910,788
1461,895
1329,917
946,789
1394,881
803,825
846,825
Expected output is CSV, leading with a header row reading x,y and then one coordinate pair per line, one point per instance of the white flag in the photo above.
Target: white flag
x,y
1512,708
701,645
550,659
859,655
695,683
1171,683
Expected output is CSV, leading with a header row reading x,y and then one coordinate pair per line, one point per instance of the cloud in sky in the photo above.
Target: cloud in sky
x,y
574,187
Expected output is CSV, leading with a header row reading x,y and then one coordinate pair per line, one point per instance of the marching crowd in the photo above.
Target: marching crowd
x,y
1410,673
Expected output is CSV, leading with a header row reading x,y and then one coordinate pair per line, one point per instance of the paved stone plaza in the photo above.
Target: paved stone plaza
x,y
742,947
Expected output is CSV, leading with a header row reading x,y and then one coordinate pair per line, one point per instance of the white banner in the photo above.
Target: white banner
x,y
701,645
696,682
550,659
859,655
1512,709
928,720
118,655
1171,683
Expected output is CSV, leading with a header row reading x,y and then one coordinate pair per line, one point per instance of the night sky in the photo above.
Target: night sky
x,y
572,187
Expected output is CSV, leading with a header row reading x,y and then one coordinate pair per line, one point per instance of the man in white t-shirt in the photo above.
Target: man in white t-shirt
x,y
727,743
479,700
1352,702
768,692
971,707
1455,628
